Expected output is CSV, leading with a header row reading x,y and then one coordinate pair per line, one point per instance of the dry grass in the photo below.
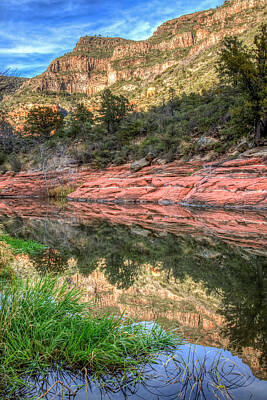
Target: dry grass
x,y
60,193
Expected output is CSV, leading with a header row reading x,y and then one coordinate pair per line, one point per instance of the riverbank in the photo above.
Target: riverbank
x,y
239,183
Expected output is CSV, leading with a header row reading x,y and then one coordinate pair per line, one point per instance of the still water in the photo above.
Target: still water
x,y
203,272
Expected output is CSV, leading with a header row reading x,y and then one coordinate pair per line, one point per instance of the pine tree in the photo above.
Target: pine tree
x,y
41,121
246,69
82,114
112,110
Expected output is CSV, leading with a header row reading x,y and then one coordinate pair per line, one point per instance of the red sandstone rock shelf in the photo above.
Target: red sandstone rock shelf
x,y
240,183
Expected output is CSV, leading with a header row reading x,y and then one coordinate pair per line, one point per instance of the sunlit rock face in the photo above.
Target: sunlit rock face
x,y
98,62
240,183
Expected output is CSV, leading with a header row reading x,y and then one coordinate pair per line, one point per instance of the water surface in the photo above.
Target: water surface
x,y
200,271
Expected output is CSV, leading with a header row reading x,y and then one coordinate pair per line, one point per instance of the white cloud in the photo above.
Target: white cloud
x,y
39,49
22,66
42,39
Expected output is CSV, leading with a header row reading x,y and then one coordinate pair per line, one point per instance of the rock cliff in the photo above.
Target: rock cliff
x,y
99,62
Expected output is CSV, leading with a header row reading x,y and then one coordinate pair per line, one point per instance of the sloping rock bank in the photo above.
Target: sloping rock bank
x,y
237,183
240,183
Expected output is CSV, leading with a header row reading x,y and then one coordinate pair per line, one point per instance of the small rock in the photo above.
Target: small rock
x,y
242,145
140,231
205,142
150,157
139,164
160,161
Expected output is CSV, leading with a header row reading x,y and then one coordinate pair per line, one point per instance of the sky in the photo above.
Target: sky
x,y
34,32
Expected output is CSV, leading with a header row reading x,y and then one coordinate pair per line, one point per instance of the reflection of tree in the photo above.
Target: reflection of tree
x,y
119,259
50,260
244,307
234,274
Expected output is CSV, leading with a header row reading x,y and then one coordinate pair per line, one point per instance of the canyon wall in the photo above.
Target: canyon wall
x,y
98,62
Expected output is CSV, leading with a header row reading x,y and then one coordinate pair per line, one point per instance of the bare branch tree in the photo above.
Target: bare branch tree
x,y
4,80
10,81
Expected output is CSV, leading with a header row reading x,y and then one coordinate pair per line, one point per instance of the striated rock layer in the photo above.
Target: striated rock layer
x,y
99,62
243,228
238,183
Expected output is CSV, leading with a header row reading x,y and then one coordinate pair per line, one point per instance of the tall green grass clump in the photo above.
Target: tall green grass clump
x,y
44,324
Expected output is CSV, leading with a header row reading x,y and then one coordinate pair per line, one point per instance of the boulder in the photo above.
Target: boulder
x,y
143,162
139,164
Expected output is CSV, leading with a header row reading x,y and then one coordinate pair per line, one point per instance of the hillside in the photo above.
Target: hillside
x,y
180,55
181,111
181,51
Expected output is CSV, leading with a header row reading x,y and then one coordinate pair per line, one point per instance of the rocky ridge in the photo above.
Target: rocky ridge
x,y
100,62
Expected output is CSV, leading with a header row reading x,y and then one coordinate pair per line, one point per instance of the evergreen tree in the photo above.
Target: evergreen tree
x,y
79,122
82,114
41,121
112,110
246,69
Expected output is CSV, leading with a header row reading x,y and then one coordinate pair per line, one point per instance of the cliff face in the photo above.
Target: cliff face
x,y
99,62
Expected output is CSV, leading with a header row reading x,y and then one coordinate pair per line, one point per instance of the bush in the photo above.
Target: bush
x,y
15,163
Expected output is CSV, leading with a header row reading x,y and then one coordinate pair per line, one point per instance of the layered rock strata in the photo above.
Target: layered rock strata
x,y
240,183
98,62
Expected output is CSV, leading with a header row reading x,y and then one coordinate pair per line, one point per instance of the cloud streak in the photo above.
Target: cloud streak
x,y
32,32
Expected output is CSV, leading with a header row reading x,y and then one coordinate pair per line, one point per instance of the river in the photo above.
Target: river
x,y
200,271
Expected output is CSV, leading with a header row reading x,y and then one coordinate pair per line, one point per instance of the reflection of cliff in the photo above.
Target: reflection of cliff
x,y
201,270
246,229
183,305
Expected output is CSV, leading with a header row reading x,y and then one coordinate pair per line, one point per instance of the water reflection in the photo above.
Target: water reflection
x,y
158,266
190,373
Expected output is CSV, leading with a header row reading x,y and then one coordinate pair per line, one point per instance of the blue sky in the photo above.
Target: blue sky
x,y
34,32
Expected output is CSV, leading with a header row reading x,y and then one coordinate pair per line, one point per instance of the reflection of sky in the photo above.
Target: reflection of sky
x,y
34,32
164,382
